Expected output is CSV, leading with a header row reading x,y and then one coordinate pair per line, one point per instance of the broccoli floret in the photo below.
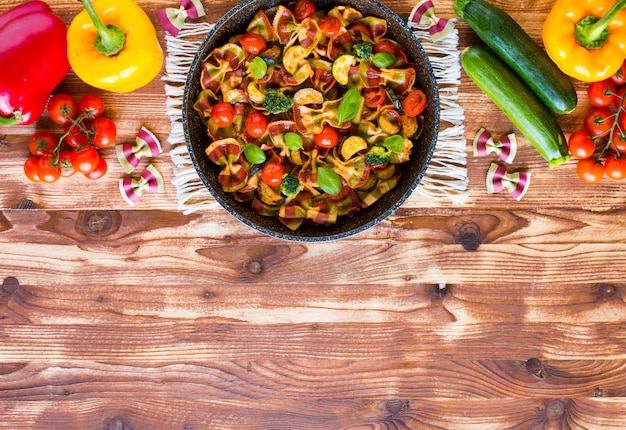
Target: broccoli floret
x,y
362,50
277,102
377,156
290,185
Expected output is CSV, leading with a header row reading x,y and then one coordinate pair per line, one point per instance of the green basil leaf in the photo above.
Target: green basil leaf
x,y
349,105
293,141
328,180
383,59
253,153
258,67
394,143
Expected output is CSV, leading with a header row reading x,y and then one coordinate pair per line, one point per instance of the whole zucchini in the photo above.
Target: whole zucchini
x,y
518,103
513,45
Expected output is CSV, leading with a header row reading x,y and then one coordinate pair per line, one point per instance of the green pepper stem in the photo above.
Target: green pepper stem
x,y
109,39
14,119
593,33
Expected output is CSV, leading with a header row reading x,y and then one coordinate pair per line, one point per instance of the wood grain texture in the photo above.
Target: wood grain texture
x,y
495,314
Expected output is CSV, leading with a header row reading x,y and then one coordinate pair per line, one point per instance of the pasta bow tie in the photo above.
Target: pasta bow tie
x,y
424,13
515,183
173,19
146,144
133,188
505,148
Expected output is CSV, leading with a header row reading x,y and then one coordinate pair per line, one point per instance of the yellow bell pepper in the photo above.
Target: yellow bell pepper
x,y
113,46
586,38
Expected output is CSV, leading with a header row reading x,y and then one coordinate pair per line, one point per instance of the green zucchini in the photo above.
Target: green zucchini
x,y
513,45
531,117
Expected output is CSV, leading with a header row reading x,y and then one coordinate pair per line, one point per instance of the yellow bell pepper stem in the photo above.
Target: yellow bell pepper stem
x,y
92,42
586,38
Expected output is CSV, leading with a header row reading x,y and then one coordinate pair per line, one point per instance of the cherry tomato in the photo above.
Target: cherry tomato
x,y
617,102
414,103
272,174
619,77
99,171
31,169
590,170
385,46
65,163
327,138
47,171
580,144
304,9
598,122
223,114
329,25
374,97
253,43
42,143
618,142
76,137
62,108
105,132
91,103
256,124
85,160
615,168
601,93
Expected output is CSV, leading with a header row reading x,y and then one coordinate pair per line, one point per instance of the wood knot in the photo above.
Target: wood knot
x,y
10,285
98,223
254,267
469,236
438,292
396,406
598,392
116,423
207,294
535,367
555,409
606,291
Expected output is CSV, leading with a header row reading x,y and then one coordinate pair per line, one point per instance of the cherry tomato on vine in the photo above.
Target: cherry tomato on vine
x,y
617,102
385,46
374,97
327,138
304,9
618,142
76,137
85,160
590,170
329,25
105,132
223,114
598,121
580,144
253,43
256,124
619,77
31,169
272,174
65,163
46,170
42,143
414,103
92,103
62,108
601,93
615,168
99,171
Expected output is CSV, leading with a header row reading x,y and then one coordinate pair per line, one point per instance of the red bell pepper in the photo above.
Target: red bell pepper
x,y
33,60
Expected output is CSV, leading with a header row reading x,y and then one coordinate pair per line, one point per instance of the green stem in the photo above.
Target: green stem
x,y
591,32
110,38
14,119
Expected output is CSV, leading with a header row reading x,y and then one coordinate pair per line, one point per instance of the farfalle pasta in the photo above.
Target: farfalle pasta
x,y
309,113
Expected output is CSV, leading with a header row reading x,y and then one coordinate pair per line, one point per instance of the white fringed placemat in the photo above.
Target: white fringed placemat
x,y
445,178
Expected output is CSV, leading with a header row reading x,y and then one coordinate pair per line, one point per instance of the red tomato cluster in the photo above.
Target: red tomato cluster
x,y
85,131
600,146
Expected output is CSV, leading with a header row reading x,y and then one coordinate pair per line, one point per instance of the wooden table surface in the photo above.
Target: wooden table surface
x,y
114,317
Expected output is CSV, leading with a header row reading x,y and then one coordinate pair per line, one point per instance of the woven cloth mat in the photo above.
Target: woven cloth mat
x,y
444,180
